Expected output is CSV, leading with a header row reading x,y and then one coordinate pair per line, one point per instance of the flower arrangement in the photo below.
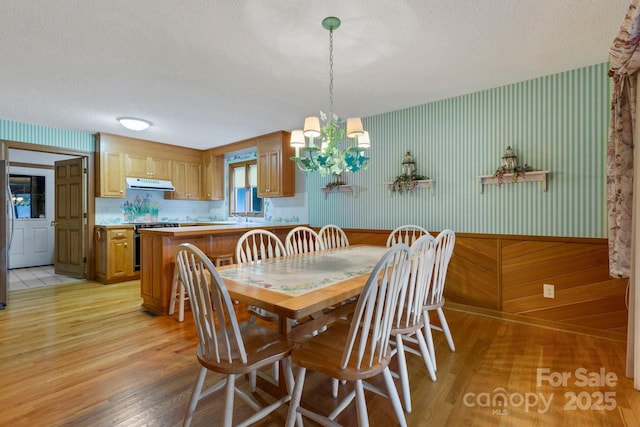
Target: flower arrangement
x,y
406,182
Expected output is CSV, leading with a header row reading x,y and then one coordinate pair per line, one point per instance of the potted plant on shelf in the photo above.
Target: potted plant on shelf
x,y
408,180
510,166
337,182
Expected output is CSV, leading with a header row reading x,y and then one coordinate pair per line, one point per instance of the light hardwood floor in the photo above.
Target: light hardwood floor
x,y
84,354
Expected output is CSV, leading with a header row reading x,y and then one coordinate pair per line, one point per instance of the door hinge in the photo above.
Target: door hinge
x,y
85,170
84,259
84,215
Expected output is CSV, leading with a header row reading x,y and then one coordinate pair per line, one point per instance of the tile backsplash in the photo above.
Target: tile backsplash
x,y
280,210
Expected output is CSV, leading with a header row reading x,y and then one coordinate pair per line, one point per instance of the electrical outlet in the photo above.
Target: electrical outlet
x,y
548,291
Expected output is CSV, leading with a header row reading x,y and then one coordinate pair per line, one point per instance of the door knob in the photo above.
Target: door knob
x,y
53,223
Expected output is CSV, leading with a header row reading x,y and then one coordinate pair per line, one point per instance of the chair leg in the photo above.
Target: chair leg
x,y
425,354
174,290
290,383
445,329
195,396
334,387
393,395
404,375
296,396
252,381
429,336
181,304
361,404
228,400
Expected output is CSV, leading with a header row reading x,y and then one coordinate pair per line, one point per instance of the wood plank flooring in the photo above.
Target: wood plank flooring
x,y
84,354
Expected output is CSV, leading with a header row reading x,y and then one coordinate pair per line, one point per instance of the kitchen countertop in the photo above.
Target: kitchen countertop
x,y
215,228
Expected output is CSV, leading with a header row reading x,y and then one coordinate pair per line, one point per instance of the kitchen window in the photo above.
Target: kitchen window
x,y
243,190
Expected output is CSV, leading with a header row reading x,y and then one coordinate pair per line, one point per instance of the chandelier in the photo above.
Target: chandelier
x,y
335,154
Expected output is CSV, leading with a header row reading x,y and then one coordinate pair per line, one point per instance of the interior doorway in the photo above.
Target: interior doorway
x,y
31,257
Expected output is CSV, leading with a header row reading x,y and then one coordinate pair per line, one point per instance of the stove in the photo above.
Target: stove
x,y
136,238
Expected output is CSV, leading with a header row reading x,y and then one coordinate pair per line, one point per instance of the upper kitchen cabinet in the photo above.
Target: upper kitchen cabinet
x,y
276,173
212,176
186,180
186,174
143,166
119,157
110,168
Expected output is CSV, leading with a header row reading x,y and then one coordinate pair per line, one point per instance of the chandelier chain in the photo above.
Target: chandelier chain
x,y
331,75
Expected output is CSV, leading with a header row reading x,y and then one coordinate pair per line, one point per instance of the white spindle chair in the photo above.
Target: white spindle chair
x,y
445,242
301,240
408,321
224,345
364,342
333,236
253,246
406,234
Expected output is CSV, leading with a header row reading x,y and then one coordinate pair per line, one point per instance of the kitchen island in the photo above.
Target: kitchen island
x,y
158,251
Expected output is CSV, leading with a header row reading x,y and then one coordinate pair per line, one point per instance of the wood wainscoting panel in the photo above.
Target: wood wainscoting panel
x,y
585,295
506,273
473,277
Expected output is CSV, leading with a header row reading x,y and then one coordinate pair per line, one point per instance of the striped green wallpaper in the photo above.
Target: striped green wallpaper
x,y
557,123
43,135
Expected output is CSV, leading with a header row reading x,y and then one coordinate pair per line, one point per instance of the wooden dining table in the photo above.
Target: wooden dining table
x,y
307,291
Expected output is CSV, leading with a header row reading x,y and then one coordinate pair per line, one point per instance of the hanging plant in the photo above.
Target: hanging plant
x,y
406,183
518,172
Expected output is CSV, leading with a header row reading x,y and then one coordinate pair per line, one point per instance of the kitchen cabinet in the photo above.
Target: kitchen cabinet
x,y
212,176
186,178
111,173
142,166
276,173
114,254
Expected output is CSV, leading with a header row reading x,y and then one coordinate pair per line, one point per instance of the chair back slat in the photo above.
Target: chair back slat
x,y
414,294
333,236
368,340
445,242
219,337
406,234
255,245
301,240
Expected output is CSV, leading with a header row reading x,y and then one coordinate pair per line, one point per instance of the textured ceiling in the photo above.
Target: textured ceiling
x,y
211,72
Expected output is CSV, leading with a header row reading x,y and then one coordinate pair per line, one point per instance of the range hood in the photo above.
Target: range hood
x,y
149,184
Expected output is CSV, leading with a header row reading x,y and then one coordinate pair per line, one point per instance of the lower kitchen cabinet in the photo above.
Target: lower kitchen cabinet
x,y
114,254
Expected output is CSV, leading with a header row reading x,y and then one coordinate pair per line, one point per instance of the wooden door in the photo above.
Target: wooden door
x,y
69,218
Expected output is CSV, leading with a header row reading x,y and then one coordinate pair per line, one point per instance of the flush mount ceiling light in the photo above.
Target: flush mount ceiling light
x,y
329,157
132,123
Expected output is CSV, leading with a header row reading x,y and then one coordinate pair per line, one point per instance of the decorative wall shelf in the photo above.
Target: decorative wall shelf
x,y
423,183
337,189
532,176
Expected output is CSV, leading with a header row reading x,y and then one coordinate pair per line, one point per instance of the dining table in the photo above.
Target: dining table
x,y
307,291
